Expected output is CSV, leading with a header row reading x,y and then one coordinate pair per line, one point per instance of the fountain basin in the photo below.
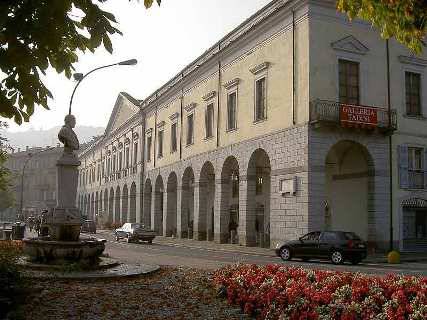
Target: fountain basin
x,y
44,250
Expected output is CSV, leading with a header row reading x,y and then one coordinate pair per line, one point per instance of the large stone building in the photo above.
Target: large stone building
x,y
39,189
282,127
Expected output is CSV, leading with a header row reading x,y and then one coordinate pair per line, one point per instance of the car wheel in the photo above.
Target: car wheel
x,y
285,254
128,239
336,257
117,238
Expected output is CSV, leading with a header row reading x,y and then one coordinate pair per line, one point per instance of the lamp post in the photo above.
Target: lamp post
x,y
80,76
30,156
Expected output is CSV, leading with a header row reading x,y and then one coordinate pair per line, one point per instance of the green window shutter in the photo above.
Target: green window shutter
x,y
403,166
425,168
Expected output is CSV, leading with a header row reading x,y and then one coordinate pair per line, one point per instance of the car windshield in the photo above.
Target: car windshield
x,y
135,226
351,236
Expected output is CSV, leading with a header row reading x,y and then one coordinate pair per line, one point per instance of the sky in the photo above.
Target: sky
x,y
163,39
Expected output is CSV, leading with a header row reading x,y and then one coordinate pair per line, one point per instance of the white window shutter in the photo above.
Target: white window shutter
x,y
425,168
403,166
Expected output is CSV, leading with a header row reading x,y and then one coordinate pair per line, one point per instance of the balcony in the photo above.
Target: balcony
x,y
325,113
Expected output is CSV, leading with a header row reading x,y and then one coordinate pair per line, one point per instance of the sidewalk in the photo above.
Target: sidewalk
x,y
210,245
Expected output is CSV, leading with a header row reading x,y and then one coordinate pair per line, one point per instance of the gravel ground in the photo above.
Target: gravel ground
x,y
171,293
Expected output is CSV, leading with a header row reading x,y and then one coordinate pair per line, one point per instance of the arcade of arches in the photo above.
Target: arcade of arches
x,y
211,207
238,201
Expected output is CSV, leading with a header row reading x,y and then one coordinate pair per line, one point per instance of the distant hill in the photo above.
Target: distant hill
x,y
41,138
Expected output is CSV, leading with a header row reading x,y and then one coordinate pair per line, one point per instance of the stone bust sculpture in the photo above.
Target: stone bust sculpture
x,y
67,136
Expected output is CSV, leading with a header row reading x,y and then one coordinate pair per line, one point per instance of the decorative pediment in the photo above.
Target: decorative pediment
x,y
232,83
209,96
124,109
135,136
120,145
414,61
190,107
161,124
174,116
127,141
350,44
260,68
149,132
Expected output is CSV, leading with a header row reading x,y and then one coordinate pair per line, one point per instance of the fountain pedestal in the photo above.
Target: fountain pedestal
x,y
64,221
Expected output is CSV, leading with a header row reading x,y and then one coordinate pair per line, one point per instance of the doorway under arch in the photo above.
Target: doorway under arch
x,y
349,188
187,204
206,221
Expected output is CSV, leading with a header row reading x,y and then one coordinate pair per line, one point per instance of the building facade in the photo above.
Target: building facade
x,y
38,166
282,127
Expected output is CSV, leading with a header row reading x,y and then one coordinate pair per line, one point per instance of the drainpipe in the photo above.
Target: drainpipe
x,y
219,97
155,138
293,68
390,144
181,117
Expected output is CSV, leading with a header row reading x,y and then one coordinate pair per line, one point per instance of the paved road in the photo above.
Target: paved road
x,y
181,255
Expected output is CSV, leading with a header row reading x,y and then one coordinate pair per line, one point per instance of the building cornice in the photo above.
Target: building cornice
x,y
222,45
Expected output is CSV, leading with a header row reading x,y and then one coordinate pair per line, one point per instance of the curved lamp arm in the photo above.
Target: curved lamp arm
x,y
81,77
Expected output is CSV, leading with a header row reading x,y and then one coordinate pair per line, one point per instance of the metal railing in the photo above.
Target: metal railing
x,y
330,112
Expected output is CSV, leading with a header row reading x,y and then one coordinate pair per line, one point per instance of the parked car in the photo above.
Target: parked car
x,y
338,246
88,226
134,232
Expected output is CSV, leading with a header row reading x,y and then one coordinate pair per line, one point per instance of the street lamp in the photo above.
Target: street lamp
x,y
80,76
30,155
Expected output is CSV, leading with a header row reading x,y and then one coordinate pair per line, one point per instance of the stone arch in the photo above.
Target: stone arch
x,y
146,213
157,218
132,203
111,205
125,201
171,208
117,213
205,218
229,207
349,189
258,188
187,203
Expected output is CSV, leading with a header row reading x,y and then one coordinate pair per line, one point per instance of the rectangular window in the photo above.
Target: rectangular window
x,y
174,146
260,100
349,92
120,161
149,149
135,153
231,110
114,163
127,157
160,145
416,168
209,119
413,93
190,129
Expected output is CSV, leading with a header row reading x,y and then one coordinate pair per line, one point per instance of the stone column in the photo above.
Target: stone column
x,y
198,233
200,206
221,214
153,208
179,211
138,202
247,212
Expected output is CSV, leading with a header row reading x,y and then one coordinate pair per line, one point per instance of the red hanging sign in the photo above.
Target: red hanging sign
x,y
351,115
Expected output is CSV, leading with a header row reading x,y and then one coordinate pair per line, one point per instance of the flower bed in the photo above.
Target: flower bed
x,y
278,292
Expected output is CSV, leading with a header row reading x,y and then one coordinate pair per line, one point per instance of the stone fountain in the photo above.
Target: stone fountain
x,y
64,221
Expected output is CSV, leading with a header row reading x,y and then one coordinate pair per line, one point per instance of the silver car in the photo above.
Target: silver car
x,y
134,232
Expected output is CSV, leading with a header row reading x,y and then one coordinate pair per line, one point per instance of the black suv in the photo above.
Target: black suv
x,y
338,246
